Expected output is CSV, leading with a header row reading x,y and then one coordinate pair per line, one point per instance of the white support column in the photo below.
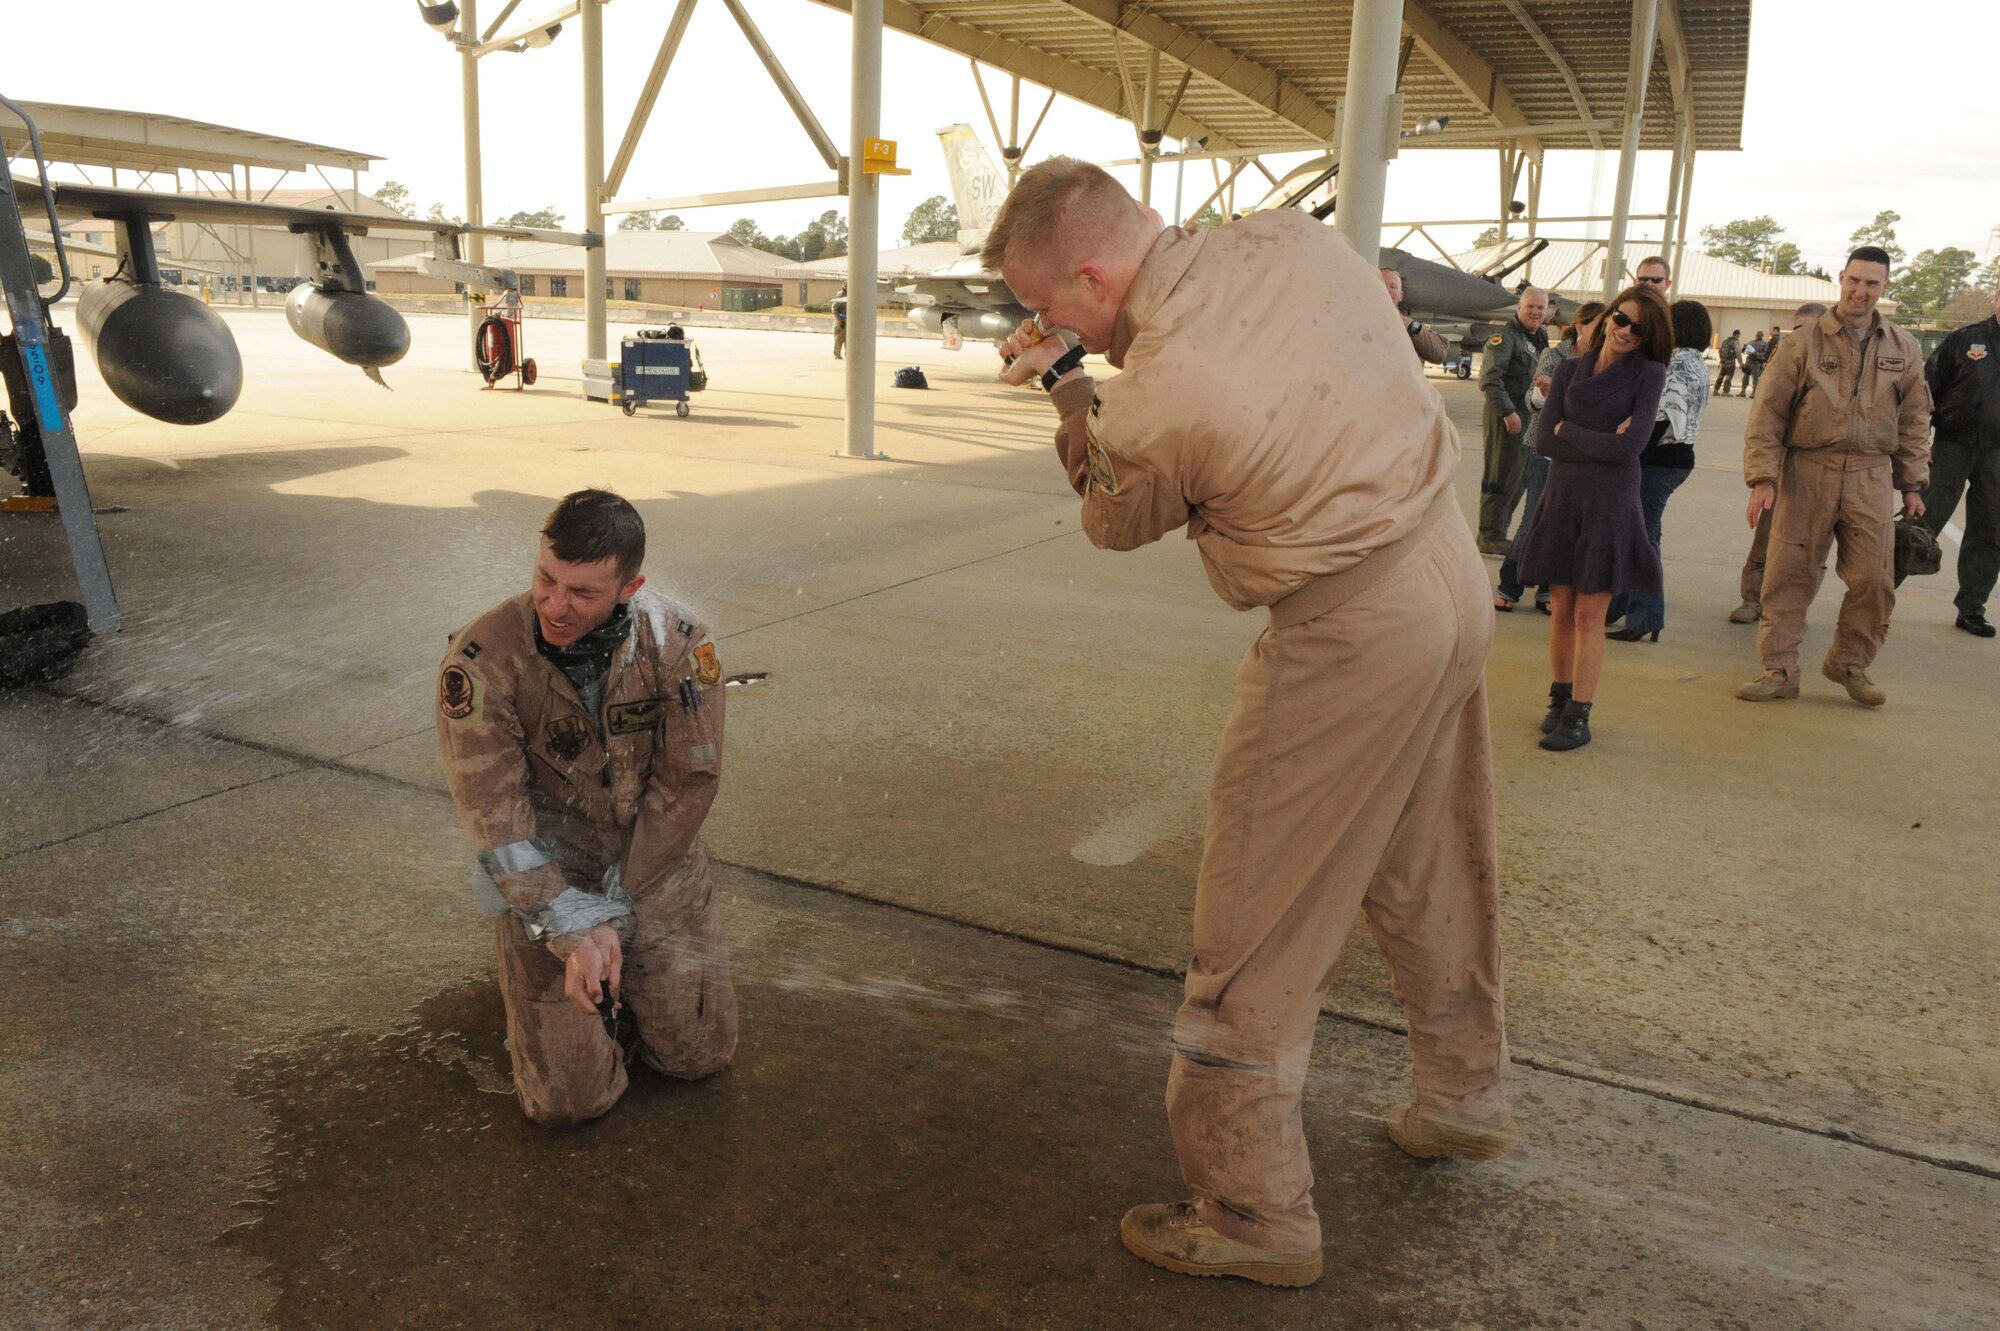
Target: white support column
x,y
475,197
1145,125
250,242
864,224
1011,150
594,338
1687,192
1368,122
1645,27
1681,133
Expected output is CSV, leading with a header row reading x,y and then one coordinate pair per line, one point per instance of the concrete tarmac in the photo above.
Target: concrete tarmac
x,y
256,1076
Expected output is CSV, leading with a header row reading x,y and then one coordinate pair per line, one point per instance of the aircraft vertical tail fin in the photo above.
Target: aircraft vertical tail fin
x,y
977,185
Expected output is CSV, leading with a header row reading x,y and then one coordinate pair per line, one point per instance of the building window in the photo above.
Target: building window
x,y
527,284
804,299
632,288
607,289
559,286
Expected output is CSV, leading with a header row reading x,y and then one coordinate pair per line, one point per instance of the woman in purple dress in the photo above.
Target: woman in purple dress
x,y
1589,536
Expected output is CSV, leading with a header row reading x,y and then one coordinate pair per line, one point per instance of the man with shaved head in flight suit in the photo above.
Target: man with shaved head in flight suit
x,y
1307,457
581,729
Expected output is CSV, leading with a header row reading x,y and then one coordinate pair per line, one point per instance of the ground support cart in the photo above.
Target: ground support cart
x,y
656,367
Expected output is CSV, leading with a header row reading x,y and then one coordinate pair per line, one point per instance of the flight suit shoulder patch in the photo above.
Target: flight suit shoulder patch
x,y
1101,473
1496,339
707,666
460,694
629,718
1977,351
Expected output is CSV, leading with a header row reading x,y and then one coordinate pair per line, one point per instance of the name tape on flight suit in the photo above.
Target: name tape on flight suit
x,y
629,718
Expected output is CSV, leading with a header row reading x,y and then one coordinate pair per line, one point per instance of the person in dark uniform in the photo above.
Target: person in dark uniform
x,y
1506,377
1964,375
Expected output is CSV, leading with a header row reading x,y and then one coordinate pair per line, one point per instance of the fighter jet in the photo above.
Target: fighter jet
x,y
961,299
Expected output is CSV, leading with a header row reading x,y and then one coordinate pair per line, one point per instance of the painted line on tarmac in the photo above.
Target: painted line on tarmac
x,y
1552,1066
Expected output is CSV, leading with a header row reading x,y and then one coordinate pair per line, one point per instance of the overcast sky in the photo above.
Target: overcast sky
x,y
1851,108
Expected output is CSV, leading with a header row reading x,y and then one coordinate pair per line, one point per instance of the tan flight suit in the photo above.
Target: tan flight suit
x,y
1840,428
579,817
1425,341
1312,463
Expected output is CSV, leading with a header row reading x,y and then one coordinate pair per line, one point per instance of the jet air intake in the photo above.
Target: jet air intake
x,y
163,354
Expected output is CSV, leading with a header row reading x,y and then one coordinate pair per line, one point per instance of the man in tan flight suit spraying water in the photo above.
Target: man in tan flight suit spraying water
x,y
1270,404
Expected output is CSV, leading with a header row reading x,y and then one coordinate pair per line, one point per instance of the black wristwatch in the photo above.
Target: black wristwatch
x,y
1066,362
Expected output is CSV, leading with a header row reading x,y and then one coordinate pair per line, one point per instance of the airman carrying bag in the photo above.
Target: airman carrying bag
x,y
1916,550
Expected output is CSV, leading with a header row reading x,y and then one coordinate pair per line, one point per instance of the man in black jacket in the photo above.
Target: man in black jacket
x,y
1964,375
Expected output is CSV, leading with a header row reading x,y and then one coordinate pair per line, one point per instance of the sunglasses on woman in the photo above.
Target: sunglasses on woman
x,y
1623,320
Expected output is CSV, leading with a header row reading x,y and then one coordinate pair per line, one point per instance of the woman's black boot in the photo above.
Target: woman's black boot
x,y
1573,731
1558,699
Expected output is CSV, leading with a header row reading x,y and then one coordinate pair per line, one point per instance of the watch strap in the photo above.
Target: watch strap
x,y
1066,362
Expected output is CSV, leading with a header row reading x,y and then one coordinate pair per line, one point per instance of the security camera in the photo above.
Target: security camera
x,y
541,36
442,17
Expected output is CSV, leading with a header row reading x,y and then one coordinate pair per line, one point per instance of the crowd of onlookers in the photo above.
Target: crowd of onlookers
x,y
1589,433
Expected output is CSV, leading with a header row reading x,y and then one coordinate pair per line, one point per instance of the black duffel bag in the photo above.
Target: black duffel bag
x,y
1917,550
40,643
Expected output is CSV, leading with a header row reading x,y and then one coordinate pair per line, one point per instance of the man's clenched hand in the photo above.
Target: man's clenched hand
x,y
599,957
1029,353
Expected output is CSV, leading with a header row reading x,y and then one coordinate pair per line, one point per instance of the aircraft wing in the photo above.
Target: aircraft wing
x,y
977,293
73,200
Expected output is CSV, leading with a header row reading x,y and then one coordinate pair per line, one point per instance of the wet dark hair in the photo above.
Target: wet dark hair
x,y
595,524
1656,325
1692,327
1871,254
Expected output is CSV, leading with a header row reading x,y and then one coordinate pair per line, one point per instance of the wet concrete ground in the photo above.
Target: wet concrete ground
x,y
254,1076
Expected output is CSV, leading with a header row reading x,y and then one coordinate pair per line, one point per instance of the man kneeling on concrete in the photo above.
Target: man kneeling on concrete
x,y
1269,403
581,725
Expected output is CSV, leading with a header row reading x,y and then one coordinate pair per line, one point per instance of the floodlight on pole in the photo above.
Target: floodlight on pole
x,y
441,17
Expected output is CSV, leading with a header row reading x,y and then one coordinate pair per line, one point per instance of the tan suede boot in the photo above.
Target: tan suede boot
x,y
1855,680
1172,1235
1428,1134
1774,685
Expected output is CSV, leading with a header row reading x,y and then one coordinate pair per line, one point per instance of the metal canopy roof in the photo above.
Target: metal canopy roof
x,y
97,136
1266,77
